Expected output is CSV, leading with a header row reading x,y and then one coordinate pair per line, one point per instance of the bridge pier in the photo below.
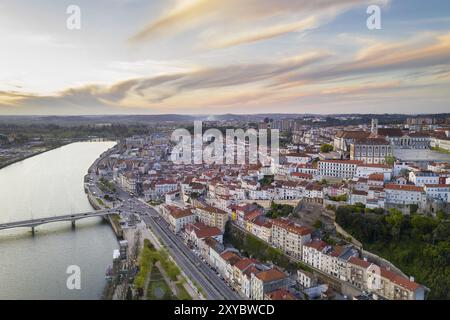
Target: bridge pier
x,y
73,224
33,232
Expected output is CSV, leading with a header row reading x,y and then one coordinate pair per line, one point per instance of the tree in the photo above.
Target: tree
x,y
441,215
390,160
267,180
326,148
395,219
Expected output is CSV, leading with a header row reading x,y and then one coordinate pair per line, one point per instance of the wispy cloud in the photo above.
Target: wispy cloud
x,y
264,33
223,56
315,74
238,22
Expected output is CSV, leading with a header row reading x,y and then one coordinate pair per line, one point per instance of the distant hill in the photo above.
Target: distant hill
x,y
75,120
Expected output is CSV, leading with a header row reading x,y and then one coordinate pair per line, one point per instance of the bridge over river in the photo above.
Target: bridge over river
x,y
33,223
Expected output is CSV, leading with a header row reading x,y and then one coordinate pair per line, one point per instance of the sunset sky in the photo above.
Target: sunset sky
x,y
224,56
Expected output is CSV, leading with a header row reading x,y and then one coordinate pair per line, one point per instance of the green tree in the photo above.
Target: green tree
x,y
326,148
395,220
390,160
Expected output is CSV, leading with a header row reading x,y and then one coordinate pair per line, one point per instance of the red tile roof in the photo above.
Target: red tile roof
x,y
399,280
245,263
281,294
318,245
203,231
291,227
392,186
376,177
271,275
230,257
359,262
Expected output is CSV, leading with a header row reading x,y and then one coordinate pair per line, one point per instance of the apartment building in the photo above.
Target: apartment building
x,y
368,276
267,281
306,279
341,169
438,192
421,178
227,261
334,262
357,272
404,194
298,158
313,253
239,269
128,181
211,216
196,232
164,186
393,286
290,237
287,190
365,170
260,228
177,218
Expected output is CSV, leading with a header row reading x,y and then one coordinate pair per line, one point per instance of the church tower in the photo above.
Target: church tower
x,y
374,129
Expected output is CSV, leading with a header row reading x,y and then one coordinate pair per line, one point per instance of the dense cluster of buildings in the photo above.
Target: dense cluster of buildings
x,y
198,200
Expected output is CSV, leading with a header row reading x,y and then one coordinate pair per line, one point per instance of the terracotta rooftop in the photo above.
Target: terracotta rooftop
x,y
390,132
271,275
230,257
437,185
376,177
291,226
203,231
244,263
281,294
403,187
352,134
318,245
359,262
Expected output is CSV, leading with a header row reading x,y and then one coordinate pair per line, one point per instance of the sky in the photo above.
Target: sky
x,y
217,57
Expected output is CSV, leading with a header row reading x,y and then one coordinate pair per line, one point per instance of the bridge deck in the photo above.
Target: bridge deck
x,y
69,217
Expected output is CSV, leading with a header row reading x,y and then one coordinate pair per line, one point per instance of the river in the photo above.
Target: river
x,y
45,185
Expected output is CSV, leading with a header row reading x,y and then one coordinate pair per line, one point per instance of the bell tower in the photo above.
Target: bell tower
x,y
374,129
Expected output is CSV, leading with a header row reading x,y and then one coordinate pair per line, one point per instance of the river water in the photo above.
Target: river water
x,y
42,186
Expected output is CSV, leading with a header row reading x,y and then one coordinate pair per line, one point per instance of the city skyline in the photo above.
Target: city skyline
x,y
214,57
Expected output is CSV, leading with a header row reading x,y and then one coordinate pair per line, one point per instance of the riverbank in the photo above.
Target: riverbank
x,y
56,189
8,163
